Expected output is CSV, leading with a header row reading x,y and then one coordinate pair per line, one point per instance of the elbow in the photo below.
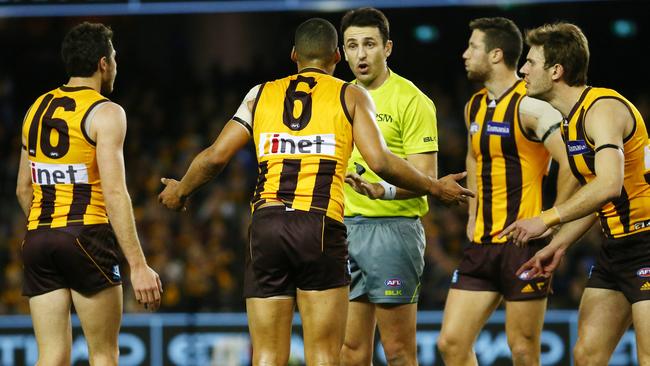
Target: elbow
x,y
379,166
23,192
612,190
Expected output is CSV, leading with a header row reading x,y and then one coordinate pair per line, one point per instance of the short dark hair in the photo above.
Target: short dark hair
x,y
316,39
566,45
84,46
501,33
367,17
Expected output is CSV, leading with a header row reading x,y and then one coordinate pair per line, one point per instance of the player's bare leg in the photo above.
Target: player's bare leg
x,y
465,314
323,314
640,311
359,334
604,316
397,328
269,323
100,315
524,322
51,318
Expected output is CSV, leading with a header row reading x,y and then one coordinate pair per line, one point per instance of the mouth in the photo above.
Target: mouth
x,y
363,67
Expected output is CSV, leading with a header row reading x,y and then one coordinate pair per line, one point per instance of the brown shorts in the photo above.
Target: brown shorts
x,y
493,267
83,258
624,265
294,249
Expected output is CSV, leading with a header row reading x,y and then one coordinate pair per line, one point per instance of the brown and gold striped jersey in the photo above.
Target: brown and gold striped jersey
x,y
510,165
629,213
65,177
303,137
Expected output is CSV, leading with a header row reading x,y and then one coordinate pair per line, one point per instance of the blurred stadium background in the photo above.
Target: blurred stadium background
x,y
182,71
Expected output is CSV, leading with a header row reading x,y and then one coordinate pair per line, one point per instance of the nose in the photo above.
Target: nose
x,y
465,54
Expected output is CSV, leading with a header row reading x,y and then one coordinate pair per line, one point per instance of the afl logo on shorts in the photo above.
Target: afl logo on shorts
x,y
393,282
643,272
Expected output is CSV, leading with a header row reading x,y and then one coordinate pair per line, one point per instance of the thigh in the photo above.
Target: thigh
x,y
525,319
323,314
51,319
465,314
640,311
397,324
360,326
478,269
100,315
269,324
603,317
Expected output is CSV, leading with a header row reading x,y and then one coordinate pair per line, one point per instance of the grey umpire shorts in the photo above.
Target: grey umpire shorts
x,y
386,258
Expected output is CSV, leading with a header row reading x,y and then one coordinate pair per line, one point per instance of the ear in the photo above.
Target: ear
x,y
388,48
337,56
496,55
557,72
102,65
344,53
294,55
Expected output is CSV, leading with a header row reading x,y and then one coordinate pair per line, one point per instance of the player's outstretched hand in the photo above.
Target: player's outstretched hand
x,y
543,263
362,186
524,230
169,196
147,287
449,192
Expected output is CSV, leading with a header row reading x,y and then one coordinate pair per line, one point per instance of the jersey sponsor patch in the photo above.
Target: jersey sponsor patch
x,y
577,147
498,128
46,174
284,143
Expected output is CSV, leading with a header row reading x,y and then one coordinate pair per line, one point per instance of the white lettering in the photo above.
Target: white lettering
x,y
58,173
284,143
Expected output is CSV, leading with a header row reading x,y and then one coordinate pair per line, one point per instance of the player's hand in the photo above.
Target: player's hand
x,y
147,286
362,186
522,231
169,196
449,192
543,263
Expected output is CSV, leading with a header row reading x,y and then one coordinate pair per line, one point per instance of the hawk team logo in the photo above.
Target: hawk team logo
x,y
284,143
473,128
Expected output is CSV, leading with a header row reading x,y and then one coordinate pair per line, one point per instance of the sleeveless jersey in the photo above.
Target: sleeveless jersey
x,y
303,139
510,166
629,213
65,177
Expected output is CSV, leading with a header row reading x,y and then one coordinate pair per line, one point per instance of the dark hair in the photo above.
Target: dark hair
x,y
564,44
315,39
501,33
84,46
367,17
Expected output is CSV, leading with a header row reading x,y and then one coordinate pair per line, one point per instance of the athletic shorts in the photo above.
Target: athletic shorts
x,y
294,249
83,258
624,265
493,267
386,258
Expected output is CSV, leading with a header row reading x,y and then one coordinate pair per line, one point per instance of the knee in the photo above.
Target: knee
x,y
584,356
105,358
525,349
355,354
400,353
450,346
54,359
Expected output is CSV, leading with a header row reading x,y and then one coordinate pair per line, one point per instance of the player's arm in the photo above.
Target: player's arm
x,y
108,130
606,123
211,161
388,166
470,167
24,190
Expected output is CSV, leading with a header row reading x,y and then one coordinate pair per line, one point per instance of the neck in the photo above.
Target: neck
x,y
376,82
329,69
565,97
93,82
500,82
